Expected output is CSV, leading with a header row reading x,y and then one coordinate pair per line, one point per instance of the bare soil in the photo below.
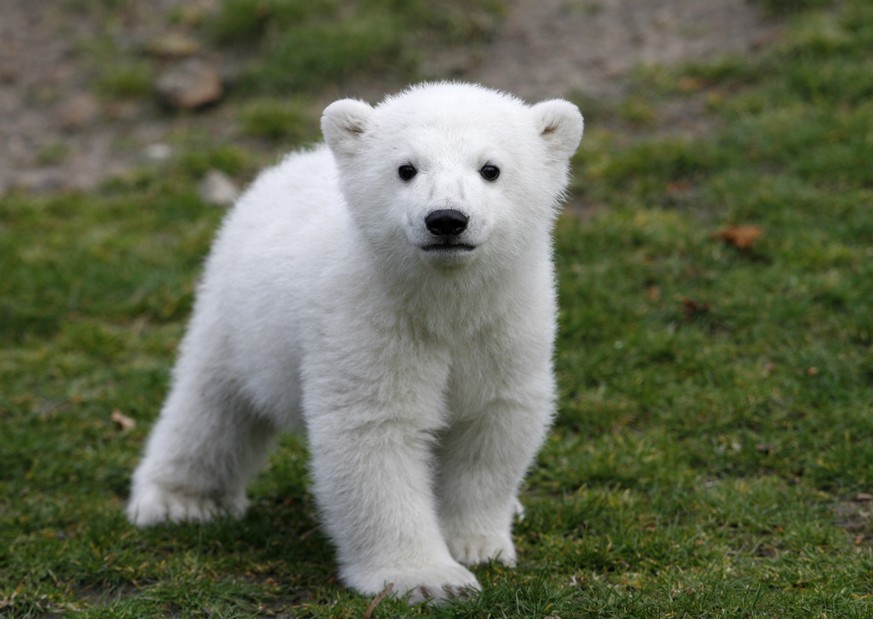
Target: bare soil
x,y
556,47
58,133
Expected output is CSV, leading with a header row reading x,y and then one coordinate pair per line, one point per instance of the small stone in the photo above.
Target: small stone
x,y
79,111
8,75
218,189
158,152
190,84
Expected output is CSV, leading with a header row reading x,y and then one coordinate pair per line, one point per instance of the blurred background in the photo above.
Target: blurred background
x,y
90,89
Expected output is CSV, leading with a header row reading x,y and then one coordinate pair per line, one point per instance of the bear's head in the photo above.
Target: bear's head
x,y
451,174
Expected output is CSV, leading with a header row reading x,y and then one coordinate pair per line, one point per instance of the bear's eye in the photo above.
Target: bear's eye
x,y
407,172
489,172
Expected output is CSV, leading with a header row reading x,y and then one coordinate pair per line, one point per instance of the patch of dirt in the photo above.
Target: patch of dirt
x,y
58,134
855,515
556,47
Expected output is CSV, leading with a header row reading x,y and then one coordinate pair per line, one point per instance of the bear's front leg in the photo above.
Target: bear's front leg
x,y
482,462
373,483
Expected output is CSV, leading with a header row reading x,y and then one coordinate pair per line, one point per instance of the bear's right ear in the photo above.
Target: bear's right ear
x,y
343,123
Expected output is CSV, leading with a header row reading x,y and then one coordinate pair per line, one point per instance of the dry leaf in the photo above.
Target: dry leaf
x,y
690,84
123,421
694,308
741,237
678,188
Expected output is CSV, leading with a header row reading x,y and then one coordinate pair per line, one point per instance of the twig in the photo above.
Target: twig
x,y
368,614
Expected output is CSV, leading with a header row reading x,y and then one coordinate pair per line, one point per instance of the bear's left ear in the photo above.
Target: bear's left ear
x,y
343,123
560,124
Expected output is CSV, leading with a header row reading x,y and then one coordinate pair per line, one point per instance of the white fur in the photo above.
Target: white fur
x,y
424,379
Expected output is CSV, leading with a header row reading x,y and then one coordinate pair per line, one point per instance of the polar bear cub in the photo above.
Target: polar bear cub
x,y
393,294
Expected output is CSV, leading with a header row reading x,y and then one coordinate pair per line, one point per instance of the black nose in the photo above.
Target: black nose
x,y
446,222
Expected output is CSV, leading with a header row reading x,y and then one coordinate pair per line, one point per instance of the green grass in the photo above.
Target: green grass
x,y
715,437
123,78
279,119
304,45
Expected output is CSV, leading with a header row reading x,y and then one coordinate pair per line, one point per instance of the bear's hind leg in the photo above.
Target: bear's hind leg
x,y
202,452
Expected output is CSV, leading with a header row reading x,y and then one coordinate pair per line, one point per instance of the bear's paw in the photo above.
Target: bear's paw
x,y
416,584
475,548
154,505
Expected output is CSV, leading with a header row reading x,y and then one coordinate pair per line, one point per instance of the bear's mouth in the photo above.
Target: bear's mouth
x,y
448,247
